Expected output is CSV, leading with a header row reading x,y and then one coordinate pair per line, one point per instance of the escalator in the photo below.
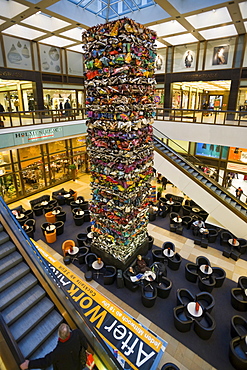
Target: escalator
x,y
212,197
32,306
29,313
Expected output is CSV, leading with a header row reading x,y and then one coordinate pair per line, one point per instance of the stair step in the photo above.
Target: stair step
x,y
42,331
213,187
46,347
23,304
244,211
16,290
204,181
223,196
219,192
10,261
12,275
7,248
1,227
186,167
238,207
31,318
3,237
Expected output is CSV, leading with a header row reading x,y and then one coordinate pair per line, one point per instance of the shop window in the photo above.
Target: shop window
x,y
29,152
7,187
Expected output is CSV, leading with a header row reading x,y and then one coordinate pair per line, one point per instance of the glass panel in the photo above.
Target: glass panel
x,y
30,152
220,53
5,157
57,146
7,188
55,99
59,165
78,141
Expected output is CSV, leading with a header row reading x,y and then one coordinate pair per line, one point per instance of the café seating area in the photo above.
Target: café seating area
x,y
238,344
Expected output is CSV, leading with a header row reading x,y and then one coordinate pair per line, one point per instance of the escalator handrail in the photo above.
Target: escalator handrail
x,y
52,280
11,342
201,172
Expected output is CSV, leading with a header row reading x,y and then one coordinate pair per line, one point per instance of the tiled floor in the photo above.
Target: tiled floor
x,y
175,352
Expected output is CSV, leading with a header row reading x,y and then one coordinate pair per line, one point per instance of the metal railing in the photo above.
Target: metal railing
x,y
48,116
201,116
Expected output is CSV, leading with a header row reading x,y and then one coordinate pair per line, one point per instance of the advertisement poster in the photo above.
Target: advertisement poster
x,y
18,53
220,55
50,58
133,345
210,150
189,59
159,63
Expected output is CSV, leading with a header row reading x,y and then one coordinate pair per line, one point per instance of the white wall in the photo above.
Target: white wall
x,y
206,133
217,210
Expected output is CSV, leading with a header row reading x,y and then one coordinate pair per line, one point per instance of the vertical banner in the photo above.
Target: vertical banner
x,y
134,346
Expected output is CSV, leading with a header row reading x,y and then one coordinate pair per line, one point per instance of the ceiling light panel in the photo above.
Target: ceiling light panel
x,y
159,44
46,23
10,9
76,48
243,9
56,41
245,25
211,18
21,31
180,39
216,33
1,21
75,33
167,28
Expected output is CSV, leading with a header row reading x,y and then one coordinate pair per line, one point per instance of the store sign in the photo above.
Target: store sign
x,y
237,167
37,135
134,346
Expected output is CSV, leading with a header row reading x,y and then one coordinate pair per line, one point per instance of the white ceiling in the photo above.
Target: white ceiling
x,y
60,22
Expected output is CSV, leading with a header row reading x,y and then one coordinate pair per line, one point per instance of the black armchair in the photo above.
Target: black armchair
x,y
168,245
31,223
242,282
29,213
79,220
87,216
164,287
44,226
186,210
84,206
176,207
158,255
61,216
206,284
224,237
212,235
148,296
238,299
206,301
191,272
184,296
109,275
38,210
238,353
175,261
219,274
159,269
83,251
201,260
238,326
205,327
81,239
59,227
242,245
29,232
187,221
89,260
150,242
182,322
133,286
169,366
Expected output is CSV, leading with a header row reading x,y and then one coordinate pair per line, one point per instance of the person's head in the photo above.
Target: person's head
x,y
67,100
63,331
139,257
131,269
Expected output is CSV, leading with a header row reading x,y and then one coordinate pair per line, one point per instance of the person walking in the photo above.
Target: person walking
x,y
67,106
66,355
239,192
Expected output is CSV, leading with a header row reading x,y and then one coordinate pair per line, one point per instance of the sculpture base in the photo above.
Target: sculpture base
x,y
110,260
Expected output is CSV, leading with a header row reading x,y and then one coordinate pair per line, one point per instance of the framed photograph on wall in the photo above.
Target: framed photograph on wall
x,y
50,58
220,55
18,53
159,63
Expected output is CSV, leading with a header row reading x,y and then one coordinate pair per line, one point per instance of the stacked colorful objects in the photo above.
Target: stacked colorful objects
x,y
119,59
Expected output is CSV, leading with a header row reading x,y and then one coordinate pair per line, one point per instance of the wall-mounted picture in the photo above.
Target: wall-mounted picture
x,y
159,63
75,63
50,59
189,58
220,55
18,53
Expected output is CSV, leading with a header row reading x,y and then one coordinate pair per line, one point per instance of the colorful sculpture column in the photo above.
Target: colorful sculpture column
x,y
119,61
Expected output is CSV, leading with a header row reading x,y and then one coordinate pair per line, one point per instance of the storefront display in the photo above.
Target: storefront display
x,y
119,61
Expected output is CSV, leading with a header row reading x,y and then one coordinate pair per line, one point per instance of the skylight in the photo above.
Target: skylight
x,y
111,9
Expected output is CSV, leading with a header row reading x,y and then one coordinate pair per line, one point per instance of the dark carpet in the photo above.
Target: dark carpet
x,y
214,350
